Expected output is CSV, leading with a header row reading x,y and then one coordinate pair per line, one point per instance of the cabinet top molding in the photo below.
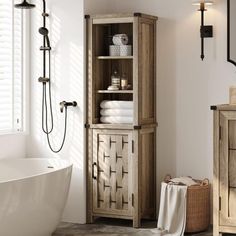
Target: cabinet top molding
x,y
108,16
223,107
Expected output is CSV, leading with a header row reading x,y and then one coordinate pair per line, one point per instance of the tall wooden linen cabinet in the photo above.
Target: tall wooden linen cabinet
x,y
121,158
224,182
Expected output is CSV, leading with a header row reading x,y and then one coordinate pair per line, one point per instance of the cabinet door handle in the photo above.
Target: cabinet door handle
x,y
93,169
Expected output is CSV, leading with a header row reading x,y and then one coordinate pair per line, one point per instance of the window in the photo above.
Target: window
x,y
11,67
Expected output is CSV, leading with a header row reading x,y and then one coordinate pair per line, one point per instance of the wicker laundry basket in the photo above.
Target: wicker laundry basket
x,y
198,206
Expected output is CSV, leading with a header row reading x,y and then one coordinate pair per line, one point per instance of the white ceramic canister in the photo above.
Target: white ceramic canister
x,y
114,50
126,50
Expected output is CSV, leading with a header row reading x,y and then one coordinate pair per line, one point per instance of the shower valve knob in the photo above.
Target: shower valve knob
x,y
67,104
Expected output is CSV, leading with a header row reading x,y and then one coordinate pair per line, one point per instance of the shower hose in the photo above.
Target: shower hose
x,y
45,116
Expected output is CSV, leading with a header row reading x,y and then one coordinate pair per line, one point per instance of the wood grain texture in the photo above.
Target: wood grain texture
x,y
111,155
232,134
123,15
216,174
146,71
148,156
232,169
122,157
224,172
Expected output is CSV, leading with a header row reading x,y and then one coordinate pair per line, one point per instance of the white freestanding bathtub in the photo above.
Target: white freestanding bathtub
x,y
33,193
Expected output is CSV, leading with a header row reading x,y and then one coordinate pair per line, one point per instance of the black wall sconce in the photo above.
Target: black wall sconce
x,y
206,31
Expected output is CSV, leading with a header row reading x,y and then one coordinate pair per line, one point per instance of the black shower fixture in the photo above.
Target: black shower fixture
x,y
24,5
206,31
46,80
44,31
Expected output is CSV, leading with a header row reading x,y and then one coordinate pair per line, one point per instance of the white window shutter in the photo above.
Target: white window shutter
x,y
10,67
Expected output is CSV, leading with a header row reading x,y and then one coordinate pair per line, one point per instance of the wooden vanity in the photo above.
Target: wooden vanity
x,y
224,182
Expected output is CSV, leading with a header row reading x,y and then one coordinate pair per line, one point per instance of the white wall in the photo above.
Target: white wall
x,y
232,30
12,146
66,27
97,7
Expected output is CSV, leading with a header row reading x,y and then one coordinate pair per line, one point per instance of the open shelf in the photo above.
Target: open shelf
x,y
115,58
116,91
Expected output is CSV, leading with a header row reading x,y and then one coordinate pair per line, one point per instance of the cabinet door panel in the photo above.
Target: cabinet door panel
x,y
227,168
111,156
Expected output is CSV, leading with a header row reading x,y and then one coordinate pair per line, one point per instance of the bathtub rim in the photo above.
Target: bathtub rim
x,y
68,166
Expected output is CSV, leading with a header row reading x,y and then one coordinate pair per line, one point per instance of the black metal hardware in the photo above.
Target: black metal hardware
x,y
137,127
43,80
219,203
45,48
137,14
132,200
206,31
87,126
65,104
132,146
213,108
220,132
24,5
87,16
44,14
93,167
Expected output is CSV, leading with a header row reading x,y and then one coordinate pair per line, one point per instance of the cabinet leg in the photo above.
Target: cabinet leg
x,y
216,233
136,222
90,219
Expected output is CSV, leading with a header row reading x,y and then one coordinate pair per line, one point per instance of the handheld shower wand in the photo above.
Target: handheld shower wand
x,y
44,31
47,80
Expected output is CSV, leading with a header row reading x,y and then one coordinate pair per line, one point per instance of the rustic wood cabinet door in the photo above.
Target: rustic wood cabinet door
x,y
227,168
112,172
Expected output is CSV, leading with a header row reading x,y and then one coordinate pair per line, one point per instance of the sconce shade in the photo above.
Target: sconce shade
x,y
206,2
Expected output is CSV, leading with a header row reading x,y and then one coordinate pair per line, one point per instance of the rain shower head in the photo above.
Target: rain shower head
x,y
24,5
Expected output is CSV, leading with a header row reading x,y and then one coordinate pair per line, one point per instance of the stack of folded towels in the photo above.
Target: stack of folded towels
x,y
116,112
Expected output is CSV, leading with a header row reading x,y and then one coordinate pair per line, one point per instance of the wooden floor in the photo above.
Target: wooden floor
x,y
112,227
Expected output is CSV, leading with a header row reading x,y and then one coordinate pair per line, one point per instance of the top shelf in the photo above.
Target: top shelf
x,y
115,58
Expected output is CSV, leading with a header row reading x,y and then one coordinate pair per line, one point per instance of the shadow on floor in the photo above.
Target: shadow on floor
x,y
112,227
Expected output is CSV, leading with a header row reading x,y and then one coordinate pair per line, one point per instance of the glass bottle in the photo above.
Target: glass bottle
x,y
115,79
124,82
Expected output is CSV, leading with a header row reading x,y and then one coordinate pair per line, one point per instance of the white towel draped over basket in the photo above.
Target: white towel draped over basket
x,y
172,213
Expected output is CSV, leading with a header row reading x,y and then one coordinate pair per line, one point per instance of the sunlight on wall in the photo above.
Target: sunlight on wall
x,y
76,87
67,79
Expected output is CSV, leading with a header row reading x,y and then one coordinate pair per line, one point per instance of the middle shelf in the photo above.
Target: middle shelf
x,y
116,91
115,57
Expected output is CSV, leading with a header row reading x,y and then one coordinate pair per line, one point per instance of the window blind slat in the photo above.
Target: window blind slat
x,y
10,65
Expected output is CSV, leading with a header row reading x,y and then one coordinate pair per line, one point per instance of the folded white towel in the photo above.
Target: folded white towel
x,y
117,112
116,104
116,120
